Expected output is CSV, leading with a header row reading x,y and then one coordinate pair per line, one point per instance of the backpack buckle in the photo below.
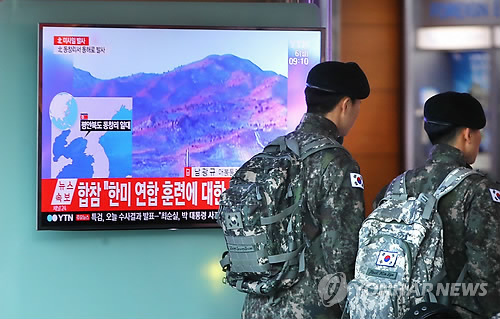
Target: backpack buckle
x,y
429,202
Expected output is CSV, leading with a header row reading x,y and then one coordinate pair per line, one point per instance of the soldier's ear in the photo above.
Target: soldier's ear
x,y
467,136
345,103
461,136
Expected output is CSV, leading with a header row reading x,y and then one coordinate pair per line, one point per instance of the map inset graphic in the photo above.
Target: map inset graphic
x,y
89,154
63,111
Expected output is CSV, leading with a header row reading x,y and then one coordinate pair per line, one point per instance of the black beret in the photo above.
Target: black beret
x,y
455,109
338,77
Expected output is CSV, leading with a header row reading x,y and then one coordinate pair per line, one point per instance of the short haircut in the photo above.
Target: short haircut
x,y
322,102
441,134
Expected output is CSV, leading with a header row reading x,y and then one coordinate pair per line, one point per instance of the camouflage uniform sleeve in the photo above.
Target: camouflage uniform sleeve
x,y
482,241
341,213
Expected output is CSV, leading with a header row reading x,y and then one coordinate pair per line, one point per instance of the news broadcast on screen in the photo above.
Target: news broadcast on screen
x,y
142,127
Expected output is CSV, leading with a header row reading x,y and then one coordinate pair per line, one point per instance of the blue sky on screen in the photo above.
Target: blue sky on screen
x,y
134,50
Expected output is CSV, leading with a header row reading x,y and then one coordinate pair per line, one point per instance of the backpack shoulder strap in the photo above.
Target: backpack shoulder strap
x,y
284,142
281,143
319,145
308,150
397,188
452,180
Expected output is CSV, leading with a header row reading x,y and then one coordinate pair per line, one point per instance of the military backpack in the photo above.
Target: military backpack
x,y
261,215
400,256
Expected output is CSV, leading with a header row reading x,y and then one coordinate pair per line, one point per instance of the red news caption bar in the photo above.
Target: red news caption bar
x,y
70,40
117,194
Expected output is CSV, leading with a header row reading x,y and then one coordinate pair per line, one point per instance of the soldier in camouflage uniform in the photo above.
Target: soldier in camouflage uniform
x,y
471,212
334,197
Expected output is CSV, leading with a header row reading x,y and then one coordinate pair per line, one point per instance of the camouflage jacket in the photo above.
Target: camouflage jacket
x,y
337,210
471,228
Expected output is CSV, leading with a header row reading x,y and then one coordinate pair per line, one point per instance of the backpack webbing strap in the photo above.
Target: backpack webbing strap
x,y
429,201
302,260
317,146
397,188
293,145
283,143
279,141
287,211
452,180
439,278
431,291
449,183
432,297
246,240
274,259
461,277
308,150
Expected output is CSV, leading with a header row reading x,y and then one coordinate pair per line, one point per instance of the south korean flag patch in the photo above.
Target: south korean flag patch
x,y
357,181
495,194
387,258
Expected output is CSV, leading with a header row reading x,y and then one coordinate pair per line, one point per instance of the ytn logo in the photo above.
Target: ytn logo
x,y
60,217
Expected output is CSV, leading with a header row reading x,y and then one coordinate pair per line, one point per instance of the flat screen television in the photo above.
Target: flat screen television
x,y
141,127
